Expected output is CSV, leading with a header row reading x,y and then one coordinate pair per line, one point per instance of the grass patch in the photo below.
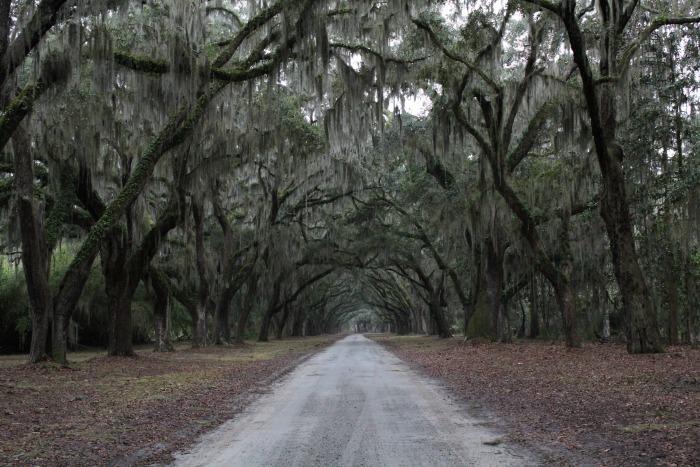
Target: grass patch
x,y
646,427
249,351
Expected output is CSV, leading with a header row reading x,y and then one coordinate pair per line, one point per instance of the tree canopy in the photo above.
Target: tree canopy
x,y
215,169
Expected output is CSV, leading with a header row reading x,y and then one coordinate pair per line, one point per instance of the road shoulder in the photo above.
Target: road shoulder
x,y
592,406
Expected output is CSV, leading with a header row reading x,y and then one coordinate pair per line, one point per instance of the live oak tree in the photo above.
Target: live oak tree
x,y
616,50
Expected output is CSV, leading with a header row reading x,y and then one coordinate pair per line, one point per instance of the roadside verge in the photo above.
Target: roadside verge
x,y
597,405
133,411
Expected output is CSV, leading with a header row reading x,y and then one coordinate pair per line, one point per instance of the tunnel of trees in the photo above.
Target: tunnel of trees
x,y
217,170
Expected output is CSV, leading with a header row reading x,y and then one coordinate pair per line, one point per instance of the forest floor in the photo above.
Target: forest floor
x,y
597,405
125,411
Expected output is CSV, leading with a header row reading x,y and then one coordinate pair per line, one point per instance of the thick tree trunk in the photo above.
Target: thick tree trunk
x,y
40,334
223,313
494,287
479,325
641,326
403,326
120,336
566,297
199,337
435,301
114,255
59,337
34,248
123,273
232,281
222,327
282,323
265,326
638,307
567,307
437,313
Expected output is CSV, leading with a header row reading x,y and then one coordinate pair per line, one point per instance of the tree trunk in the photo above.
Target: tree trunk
x,y
35,255
672,299
557,276
479,324
161,313
464,300
187,300
671,278
298,323
161,324
606,323
222,328
114,255
494,286
438,315
534,313
521,328
271,309
59,337
691,305
544,307
243,316
403,326
638,307
265,326
199,337
40,334
223,312
241,324
435,300
283,322
567,306
120,336
564,292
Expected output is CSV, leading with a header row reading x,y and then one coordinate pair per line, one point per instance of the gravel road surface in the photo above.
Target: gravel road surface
x,y
354,404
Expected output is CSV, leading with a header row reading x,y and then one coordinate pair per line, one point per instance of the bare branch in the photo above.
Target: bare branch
x,y
659,22
453,56
227,12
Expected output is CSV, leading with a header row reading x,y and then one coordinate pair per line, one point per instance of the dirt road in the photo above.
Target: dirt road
x,y
353,404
